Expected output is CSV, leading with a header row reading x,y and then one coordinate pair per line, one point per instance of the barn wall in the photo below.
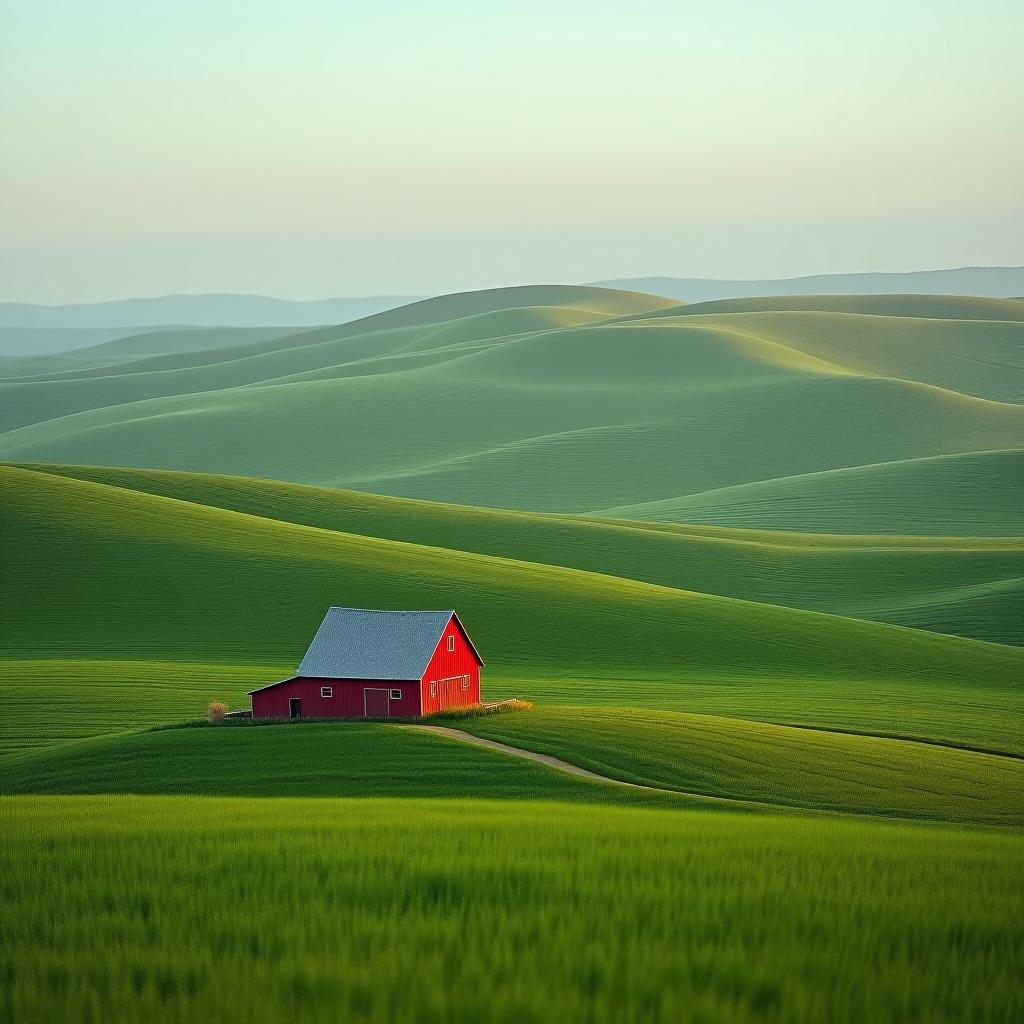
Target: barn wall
x,y
346,702
446,669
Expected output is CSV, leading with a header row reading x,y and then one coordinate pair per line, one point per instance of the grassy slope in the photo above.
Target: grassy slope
x,y
722,757
146,553
930,307
126,346
978,493
321,759
105,572
966,587
486,916
692,754
59,700
534,399
975,357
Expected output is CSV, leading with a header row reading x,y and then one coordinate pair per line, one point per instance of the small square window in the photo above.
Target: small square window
x,y
326,691
396,694
451,642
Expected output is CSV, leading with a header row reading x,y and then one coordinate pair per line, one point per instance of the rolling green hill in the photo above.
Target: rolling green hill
x,y
977,494
773,764
733,762
930,307
567,399
966,586
982,357
116,586
327,759
121,563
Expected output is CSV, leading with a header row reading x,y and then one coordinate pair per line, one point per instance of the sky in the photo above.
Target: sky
x,y
314,148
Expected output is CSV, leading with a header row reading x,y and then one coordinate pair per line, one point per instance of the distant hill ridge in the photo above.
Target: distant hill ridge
x,y
991,282
232,310
198,311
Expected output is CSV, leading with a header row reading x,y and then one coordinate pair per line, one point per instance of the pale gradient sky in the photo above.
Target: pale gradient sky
x,y
330,147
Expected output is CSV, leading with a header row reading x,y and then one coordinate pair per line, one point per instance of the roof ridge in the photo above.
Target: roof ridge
x,y
394,611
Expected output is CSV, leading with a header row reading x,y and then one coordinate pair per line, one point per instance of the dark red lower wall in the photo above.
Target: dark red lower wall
x,y
346,701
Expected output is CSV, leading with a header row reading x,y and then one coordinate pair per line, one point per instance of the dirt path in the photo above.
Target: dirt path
x,y
529,755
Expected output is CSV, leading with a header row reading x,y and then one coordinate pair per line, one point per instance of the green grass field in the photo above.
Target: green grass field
x,y
782,765
700,756
120,569
764,556
311,759
967,586
393,911
977,493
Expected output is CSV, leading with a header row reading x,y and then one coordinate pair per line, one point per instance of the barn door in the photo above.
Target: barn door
x,y
294,707
376,703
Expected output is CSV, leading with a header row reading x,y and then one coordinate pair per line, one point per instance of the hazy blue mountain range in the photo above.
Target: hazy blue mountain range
x,y
28,329
199,311
995,282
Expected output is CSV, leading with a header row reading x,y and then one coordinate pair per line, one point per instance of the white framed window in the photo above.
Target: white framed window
x,y
451,642
433,689
465,682
326,691
396,694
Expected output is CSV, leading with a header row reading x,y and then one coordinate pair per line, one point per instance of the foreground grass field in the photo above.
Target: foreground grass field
x,y
395,911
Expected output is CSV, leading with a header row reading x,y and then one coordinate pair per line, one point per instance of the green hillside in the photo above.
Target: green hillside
x,y
169,341
111,355
321,759
977,494
754,761
265,582
700,756
565,399
119,586
970,587
982,358
929,307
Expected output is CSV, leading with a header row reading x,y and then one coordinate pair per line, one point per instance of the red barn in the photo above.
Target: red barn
x,y
365,663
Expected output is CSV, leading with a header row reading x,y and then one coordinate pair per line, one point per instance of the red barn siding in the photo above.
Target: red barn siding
x,y
446,671
346,701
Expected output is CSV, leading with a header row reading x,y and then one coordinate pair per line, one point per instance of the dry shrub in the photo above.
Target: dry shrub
x,y
515,705
216,712
479,710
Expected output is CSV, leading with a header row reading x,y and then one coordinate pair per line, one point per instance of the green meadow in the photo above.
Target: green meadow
x,y
410,910
762,560
967,586
121,569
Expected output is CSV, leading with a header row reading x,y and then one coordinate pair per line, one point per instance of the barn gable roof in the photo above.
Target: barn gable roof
x,y
366,643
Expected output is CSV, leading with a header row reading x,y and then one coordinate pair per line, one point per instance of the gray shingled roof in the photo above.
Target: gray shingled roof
x,y
363,643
